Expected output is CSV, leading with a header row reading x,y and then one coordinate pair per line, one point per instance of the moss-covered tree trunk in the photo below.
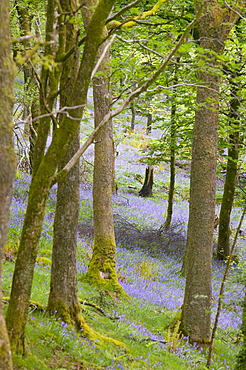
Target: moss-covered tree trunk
x,y
168,220
63,299
149,123
7,160
223,247
102,267
49,82
31,101
213,31
42,180
133,115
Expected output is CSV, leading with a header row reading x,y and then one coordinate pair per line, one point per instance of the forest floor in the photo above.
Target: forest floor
x,y
149,265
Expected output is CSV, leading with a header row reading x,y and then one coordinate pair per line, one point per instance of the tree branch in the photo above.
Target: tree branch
x,y
61,174
122,11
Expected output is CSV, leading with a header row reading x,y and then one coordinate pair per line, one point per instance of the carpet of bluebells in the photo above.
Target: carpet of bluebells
x,y
149,260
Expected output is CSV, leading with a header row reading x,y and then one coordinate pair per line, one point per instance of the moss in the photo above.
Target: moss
x,y
43,261
101,270
30,361
33,304
47,252
138,17
110,285
72,317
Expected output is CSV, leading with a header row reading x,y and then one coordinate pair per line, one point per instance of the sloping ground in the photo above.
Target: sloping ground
x,y
149,259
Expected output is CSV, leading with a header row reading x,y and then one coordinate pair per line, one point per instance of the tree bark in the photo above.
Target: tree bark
x,y
63,300
149,123
168,220
133,117
42,180
7,160
172,168
146,190
102,267
31,96
223,247
213,32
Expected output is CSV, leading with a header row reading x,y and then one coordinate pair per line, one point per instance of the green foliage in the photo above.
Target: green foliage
x,y
173,337
147,270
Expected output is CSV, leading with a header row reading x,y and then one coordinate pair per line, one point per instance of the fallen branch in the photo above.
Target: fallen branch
x,y
99,309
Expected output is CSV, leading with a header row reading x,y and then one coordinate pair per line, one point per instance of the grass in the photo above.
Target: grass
x,y
142,324
148,266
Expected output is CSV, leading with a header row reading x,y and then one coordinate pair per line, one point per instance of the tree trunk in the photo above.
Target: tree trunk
x,y
42,180
7,160
172,168
146,190
213,32
223,247
168,220
102,267
49,85
31,103
149,124
133,112
63,299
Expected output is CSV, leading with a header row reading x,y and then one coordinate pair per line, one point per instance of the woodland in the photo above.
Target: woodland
x,y
122,184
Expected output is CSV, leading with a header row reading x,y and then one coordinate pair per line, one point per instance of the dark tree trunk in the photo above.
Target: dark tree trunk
x,y
223,247
63,300
133,111
146,190
172,168
172,153
149,124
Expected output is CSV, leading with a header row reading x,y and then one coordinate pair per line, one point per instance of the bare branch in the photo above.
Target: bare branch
x,y
235,11
140,43
71,14
123,10
62,110
102,55
23,38
181,84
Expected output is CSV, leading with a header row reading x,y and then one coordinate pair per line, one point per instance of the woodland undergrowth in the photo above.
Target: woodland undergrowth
x,y
149,261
